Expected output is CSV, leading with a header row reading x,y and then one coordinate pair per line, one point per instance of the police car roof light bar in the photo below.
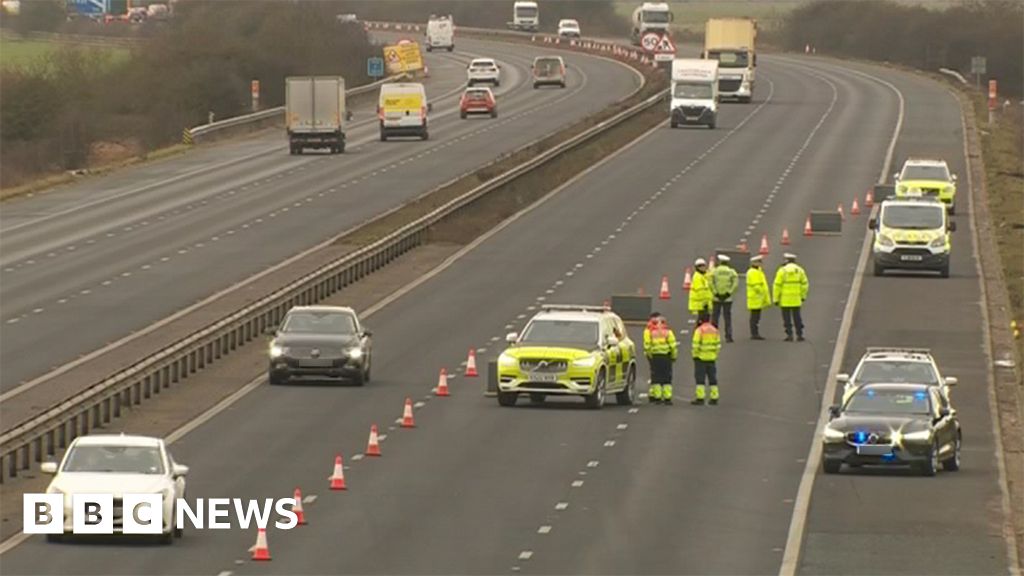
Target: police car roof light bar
x,y
575,307
881,349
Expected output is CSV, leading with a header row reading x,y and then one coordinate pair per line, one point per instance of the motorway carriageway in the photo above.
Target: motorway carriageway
x,y
643,490
119,253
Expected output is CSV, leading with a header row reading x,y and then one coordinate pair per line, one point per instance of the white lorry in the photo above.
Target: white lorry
x,y
440,33
525,16
650,17
315,113
694,92
731,42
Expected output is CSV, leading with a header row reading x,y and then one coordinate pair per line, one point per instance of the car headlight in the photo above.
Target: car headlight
x,y
939,242
885,240
585,362
948,189
833,435
355,353
507,361
901,189
919,436
276,351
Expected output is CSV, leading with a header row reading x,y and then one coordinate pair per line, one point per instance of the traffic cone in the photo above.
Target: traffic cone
x,y
407,421
442,384
869,198
297,509
855,209
260,552
338,477
764,245
373,445
785,236
687,279
471,364
807,227
664,294
743,246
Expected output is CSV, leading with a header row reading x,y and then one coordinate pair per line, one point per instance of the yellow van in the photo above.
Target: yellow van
x,y
402,110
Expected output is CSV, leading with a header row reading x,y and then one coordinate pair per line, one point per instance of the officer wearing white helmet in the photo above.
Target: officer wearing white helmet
x,y
790,291
700,292
724,283
759,296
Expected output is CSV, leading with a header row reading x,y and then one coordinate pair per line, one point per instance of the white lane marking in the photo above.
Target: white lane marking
x,y
544,529
577,483
561,506
622,426
593,464
526,554
356,457
609,443
798,522
309,499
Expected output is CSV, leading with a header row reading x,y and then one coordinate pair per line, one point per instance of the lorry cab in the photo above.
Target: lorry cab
x,y
912,233
731,41
650,17
440,33
402,110
694,97
525,16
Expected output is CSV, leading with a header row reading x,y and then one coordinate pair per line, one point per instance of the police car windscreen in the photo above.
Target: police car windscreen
x,y
319,323
658,17
116,459
561,332
882,401
913,217
692,91
925,173
729,59
896,373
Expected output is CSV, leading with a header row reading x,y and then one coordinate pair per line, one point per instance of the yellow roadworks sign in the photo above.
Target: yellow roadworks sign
x,y
403,58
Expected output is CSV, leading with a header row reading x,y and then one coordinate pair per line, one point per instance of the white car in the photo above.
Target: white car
x,y
569,28
109,464
483,70
895,366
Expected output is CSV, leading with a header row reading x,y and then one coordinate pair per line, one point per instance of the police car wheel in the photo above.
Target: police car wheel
x,y
628,395
952,209
944,271
879,269
595,401
953,463
930,466
507,398
831,466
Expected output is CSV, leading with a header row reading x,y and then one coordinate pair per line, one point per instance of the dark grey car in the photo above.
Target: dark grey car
x,y
320,342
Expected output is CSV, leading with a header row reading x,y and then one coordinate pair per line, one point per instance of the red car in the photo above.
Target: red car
x,y
478,100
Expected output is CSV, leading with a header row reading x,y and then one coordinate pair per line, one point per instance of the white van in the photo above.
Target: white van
x,y
694,92
402,110
440,33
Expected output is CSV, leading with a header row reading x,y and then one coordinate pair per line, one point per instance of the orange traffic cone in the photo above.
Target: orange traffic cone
x,y
807,226
664,294
839,208
743,246
687,279
764,245
471,364
373,445
299,512
869,199
855,209
338,477
259,550
442,384
785,236
407,421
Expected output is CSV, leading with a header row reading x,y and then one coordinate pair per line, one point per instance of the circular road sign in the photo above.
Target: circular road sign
x,y
650,40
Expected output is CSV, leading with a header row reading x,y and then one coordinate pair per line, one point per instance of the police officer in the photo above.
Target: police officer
x,y
758,295
790,291
724,282
700,292
706,344
661,351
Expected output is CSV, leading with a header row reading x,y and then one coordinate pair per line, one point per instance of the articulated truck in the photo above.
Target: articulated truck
x,y
525,16
731,42
650,17
315,113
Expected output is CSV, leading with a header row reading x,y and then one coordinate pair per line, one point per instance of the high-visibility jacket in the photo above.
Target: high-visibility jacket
x,y
660,341
724,282
700,293
758,296
706,342
791,286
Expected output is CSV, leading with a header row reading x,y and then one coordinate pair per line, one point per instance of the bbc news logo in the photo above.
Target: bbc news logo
x,y
144,513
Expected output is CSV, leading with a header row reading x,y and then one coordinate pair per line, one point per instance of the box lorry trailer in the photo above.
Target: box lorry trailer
x,y
315,113
525,16
694,92
730,41
650,17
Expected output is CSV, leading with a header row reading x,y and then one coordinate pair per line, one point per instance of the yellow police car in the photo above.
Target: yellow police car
x,y
912,233
569,350
929,178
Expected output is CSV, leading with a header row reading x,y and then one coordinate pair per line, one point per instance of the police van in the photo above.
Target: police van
x,y
912,233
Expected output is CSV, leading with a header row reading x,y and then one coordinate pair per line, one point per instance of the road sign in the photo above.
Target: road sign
x,y
254,88
375,67
665,46
649,41
978,65
993,94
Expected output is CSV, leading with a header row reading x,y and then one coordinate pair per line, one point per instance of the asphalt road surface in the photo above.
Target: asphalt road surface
x,y
557,489
112,255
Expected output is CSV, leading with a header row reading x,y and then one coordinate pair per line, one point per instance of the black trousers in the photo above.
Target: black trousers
x,y
755,320
661,369
705,371
791,317
720,309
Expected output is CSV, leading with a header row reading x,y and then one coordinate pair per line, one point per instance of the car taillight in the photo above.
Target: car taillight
x,y
380,113
563,70
423,111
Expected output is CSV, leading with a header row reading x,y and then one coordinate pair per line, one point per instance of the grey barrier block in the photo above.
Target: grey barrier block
x,y
492,378
632,307
830,222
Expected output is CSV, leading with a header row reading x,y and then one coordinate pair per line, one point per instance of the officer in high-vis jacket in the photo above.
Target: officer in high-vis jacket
x,y
661,352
